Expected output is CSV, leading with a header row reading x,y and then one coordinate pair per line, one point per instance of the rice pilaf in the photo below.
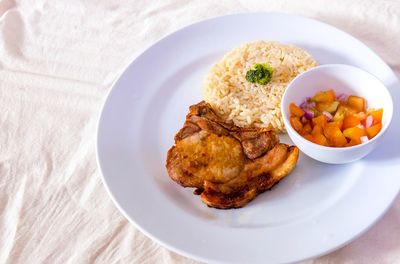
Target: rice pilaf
x,y
251,104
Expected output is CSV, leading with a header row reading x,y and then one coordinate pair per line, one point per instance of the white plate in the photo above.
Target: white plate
x,y
314,210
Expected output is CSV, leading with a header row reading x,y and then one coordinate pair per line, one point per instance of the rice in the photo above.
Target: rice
x,y
251,104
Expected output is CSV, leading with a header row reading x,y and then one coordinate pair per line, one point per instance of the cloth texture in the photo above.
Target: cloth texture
x,y
58,60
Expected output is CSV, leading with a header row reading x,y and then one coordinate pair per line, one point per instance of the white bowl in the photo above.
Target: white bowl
x,y
342,79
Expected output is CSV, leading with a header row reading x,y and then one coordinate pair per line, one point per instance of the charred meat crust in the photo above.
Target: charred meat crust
x,y
228,165
255,141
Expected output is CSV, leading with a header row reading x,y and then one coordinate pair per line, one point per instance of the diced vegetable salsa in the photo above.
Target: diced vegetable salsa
x,y
335,121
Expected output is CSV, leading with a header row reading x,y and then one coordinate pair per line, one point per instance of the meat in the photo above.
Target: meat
x,y
228,165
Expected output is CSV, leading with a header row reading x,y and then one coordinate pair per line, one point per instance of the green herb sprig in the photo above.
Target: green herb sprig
x,y
260,73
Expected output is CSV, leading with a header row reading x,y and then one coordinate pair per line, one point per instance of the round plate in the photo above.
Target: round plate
x,y
314,210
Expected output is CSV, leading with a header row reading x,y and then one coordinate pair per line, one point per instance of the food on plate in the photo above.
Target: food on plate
x,y
335,121
247,85
228,165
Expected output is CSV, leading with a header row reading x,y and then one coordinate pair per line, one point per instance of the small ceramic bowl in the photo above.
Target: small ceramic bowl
x,y
342,79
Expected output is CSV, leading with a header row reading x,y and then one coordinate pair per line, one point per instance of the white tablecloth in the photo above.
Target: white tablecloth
x,y
58,60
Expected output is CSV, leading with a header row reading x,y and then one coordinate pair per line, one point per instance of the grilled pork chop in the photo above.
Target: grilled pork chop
x,y
227,164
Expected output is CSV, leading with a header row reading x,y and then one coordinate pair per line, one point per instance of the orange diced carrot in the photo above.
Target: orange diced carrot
x,y
354,133
317,129
334,134
321,106
377,115
330,129
320,120
296,123
358,103
308,137
338,139
339,124
320,139
352,142
295,110
342,112
307,128
330,107
350,121
373,130
324,96
361,115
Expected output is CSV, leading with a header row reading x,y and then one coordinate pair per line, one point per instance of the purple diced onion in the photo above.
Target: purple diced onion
x,y
306,104
328,115
368,121
309,114
364,139
342,97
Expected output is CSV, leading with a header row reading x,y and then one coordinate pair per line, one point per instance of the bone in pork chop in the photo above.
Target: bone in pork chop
x,y
227,164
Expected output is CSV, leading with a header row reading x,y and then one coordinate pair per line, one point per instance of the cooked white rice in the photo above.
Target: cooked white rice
x,y
252,104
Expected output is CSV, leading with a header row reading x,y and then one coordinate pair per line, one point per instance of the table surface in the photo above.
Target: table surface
x,y
58,61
